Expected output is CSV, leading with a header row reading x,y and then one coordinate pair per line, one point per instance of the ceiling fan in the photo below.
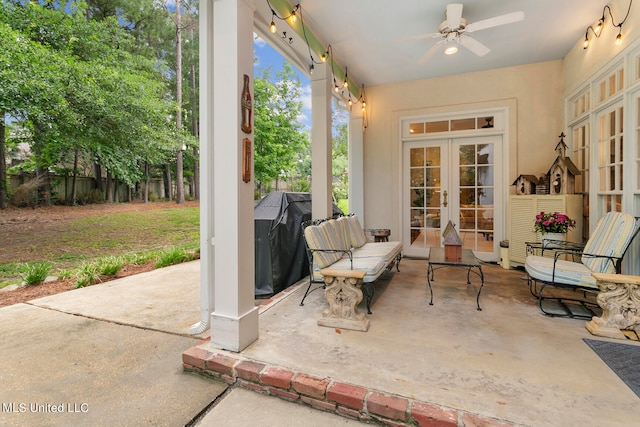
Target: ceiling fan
x,y
455,30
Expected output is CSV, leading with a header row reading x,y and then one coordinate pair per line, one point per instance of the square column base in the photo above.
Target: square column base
x,y
234,333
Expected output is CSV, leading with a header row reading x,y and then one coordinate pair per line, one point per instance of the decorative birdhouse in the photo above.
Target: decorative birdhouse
x,y
452,244
562,172
526,184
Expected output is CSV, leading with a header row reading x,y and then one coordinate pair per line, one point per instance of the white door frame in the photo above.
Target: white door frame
x,y
501,129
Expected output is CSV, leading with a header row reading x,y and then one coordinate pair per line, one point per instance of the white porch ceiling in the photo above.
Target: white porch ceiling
x,y
364,34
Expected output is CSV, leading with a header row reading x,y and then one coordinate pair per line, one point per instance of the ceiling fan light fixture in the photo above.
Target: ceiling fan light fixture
x,y
451,50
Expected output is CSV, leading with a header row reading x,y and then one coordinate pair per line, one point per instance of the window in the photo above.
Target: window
x,y
452,125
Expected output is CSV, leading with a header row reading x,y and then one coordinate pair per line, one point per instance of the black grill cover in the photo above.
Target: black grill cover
x,y
280,254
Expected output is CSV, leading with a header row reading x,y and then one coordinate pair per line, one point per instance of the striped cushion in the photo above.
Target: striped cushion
x,y
339,228
356,234
567,272
319,237
611,237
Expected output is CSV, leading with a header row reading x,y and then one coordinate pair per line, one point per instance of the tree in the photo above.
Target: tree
x,y
78,88
3,165
278,137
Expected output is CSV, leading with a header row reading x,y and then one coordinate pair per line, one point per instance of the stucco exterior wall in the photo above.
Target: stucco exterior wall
x,y
533,94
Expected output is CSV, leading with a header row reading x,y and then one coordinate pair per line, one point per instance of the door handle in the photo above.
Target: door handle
x,y
445,195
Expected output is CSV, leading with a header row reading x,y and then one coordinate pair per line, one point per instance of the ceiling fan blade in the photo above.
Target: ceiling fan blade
x,y
418,37
473,45
454,15
431,51
495,21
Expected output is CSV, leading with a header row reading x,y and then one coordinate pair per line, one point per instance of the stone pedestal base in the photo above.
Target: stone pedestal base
x,y
619,299
343,292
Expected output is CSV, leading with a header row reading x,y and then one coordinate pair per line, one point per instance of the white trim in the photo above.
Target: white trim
x,y
501,128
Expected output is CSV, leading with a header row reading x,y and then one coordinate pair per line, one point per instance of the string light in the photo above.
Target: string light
x,y
328,54
272,27
597,31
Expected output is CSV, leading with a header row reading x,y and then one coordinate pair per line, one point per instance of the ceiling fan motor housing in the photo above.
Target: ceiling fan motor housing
x,y
444,28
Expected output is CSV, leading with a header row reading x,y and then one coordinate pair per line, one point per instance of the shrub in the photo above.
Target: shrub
x,y
34,273
170,257
26,195
92,197
141,258
110,265
87,275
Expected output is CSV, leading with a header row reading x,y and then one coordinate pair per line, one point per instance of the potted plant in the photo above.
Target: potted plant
x,y
552,226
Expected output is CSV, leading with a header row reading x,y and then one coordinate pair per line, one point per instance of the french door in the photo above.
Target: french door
x,y
457,180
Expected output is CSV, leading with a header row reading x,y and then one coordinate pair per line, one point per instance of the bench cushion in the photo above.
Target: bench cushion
x,y
373,267
319,237
388,251
356,233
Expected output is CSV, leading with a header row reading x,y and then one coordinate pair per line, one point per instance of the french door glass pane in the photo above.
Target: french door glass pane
x,y
424,196
476,173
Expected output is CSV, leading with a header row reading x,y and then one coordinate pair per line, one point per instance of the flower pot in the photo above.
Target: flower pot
x,y
547,239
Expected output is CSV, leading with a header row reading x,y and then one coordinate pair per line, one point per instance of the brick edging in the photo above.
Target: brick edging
x,y
328,395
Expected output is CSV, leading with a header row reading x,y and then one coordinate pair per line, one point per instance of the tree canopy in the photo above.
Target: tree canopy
x,y
84,85
278,136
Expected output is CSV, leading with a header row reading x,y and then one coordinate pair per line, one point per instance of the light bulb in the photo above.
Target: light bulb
x,y
323,57
618,39
346,83
598,28
311,68
294,18
586,43
272,27
336,88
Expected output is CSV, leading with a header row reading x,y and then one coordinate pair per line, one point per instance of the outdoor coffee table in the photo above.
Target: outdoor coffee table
x,y
468,261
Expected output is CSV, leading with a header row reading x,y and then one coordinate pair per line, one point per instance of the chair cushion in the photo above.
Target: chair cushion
x,y
567,272
611,237
356,233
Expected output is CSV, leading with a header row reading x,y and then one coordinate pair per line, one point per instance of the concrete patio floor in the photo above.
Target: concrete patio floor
x,y
117,347
507,364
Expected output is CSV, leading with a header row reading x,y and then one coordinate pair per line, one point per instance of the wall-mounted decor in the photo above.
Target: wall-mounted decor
x,y
247,108
246,160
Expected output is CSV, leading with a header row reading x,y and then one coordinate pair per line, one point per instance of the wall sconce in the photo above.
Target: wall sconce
x,y
597,31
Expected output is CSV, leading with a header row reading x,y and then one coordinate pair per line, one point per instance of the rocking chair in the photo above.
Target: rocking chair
x,y
603,253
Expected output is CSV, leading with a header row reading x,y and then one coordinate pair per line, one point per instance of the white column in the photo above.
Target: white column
x,y
356,165
234,322
206,167
321,86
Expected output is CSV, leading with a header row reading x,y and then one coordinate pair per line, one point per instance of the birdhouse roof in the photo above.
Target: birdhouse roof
x,y
567,163
451,237
531,178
